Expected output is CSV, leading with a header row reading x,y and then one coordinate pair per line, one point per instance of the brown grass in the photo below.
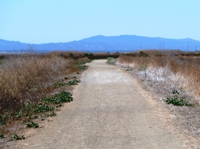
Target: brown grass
x,y
176,61
23,78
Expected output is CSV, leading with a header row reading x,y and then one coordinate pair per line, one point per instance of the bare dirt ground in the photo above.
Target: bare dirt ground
x,y
110,110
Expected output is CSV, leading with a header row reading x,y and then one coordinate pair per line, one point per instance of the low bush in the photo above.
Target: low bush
x,y
73,82
111,60
43,107
177,100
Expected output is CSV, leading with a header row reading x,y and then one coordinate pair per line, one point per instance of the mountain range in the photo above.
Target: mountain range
x,y
122,43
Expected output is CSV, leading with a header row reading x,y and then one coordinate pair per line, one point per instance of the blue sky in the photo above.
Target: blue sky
x,y
42,21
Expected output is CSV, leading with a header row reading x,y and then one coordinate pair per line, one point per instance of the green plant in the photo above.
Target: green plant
x,y
19,114
48,100
59,98
4,118
2,136
32,125
176,100
63,96
111,60
43,107
59,83
82,67
17,137
73,82
175,92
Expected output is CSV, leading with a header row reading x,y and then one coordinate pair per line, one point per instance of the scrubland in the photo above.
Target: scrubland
x,y
29,86
180,69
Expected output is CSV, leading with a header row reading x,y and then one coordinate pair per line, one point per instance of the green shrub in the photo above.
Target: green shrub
x,y
176,100
59,98
43,107
111,60
63,96
73,82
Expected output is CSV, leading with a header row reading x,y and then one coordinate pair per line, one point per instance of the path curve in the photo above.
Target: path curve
x,y
108,112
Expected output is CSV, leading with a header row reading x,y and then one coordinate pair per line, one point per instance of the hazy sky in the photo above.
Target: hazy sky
x,y
41,21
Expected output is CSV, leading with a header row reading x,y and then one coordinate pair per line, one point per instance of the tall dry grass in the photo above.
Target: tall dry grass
x,y
167,66
23,78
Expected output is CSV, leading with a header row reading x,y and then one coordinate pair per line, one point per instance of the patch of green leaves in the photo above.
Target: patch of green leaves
x,y
64,96
62,83
111,60
32,125
59,98
43,107
73,82
176,100
17,137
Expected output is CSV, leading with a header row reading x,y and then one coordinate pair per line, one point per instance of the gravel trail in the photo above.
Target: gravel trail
x,y
109,111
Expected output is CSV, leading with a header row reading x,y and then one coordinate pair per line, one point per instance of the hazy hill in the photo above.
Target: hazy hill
x,y
99,43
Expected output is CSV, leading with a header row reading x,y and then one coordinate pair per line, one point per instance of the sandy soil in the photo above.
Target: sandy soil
x,y
109,111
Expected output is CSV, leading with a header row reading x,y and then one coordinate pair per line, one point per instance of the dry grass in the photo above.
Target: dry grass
x,y
184,70
23,79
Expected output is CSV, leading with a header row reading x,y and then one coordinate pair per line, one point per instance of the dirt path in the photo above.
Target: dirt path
x,y
108,112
